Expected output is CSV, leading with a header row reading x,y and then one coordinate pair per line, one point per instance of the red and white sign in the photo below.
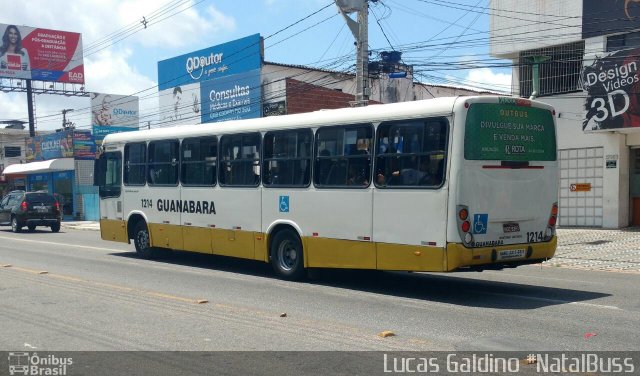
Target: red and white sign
x,y
41,54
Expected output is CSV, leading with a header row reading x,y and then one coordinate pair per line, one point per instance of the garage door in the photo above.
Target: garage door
x,y
581,187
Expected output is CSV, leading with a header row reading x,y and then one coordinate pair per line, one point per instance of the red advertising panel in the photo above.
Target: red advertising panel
x,y
41,54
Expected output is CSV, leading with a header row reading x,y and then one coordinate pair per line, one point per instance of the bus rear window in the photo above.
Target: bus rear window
x,y
505,132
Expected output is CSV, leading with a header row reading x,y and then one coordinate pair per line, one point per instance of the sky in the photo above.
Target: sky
x,y
445,41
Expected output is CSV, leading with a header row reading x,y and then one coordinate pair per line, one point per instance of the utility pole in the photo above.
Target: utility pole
x,y
360,31
32,121
66,124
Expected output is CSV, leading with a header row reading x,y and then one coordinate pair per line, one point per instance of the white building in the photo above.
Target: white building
x,y
586,53
12,151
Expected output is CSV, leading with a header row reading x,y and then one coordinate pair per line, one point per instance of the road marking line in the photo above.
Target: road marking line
x,y
111,286
64,244
597,306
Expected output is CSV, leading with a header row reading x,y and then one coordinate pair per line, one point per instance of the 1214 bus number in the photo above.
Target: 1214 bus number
x,y
533,237
146,203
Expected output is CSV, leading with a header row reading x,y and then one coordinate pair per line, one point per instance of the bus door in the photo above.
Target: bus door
x,y
338,214
239,203
108,178
161,198
410,200
198,176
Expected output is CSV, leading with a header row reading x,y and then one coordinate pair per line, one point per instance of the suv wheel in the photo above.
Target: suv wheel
x,y
56,227
31,228
15,226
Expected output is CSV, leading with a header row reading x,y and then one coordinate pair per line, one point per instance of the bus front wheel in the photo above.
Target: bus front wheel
x,y
286,255
142,241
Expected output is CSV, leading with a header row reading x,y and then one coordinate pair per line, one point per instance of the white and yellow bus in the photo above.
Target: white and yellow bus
x,y
436,185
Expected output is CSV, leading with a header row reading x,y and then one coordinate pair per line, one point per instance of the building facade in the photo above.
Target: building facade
x,y
581,57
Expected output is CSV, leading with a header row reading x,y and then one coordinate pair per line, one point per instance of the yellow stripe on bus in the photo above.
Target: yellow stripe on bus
x,y
321,252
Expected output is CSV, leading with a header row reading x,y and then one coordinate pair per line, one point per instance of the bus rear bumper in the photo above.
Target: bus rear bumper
x,y
459,257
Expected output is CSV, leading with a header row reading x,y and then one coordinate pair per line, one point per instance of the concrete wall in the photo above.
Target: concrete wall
x,y
518,25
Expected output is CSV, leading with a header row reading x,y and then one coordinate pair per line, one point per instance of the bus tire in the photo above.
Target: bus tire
x,y
142,241
286,255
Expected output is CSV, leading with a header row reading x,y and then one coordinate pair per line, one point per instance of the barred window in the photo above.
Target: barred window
x,y
559,68
623,41
12,151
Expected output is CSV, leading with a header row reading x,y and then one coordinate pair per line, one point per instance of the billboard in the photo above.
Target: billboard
x,y
41,54
231,97
612,86
186,82
84,146
67,144
609,17
50,146
111,113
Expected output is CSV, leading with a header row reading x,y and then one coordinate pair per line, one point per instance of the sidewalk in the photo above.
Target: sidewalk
x,y
81,225
597,249
580,248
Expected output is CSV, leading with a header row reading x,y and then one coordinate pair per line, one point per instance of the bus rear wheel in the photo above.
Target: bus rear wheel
x,y
286,255
142,241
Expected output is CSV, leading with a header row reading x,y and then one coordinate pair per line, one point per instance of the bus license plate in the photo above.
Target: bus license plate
x,y
510,254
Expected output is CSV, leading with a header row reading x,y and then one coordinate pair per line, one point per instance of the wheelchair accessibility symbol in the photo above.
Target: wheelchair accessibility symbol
x,y
284,204
480,222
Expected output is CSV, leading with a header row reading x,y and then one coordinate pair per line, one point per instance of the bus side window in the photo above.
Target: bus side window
x,y
323,165
286,158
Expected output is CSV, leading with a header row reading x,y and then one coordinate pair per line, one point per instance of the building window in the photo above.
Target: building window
x,y
623,41
559,70
12,151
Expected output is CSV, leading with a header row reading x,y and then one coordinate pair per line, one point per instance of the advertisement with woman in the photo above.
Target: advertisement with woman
x,y
41,54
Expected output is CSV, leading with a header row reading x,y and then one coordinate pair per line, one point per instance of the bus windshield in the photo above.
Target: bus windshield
x,y
505,132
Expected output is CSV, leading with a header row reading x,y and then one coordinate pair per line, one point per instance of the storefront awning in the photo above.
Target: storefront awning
x,y
52,165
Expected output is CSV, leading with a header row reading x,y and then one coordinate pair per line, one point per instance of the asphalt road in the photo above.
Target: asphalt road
x,y
73,291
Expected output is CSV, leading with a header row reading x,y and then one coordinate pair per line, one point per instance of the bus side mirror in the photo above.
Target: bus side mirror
x,y
99,171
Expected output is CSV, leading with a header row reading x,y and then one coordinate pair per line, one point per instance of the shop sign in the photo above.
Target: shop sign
x,y
580,187
612,85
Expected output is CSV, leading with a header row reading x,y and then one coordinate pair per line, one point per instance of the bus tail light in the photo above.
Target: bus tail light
x,y
464,226
551,225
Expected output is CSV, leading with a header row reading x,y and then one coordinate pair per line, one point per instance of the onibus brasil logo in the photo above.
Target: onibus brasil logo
x,y
24,363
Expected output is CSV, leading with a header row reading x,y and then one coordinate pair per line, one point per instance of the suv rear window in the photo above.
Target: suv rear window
x,y
44,198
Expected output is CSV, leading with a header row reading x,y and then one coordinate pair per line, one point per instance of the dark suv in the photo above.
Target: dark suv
x,y
30,209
